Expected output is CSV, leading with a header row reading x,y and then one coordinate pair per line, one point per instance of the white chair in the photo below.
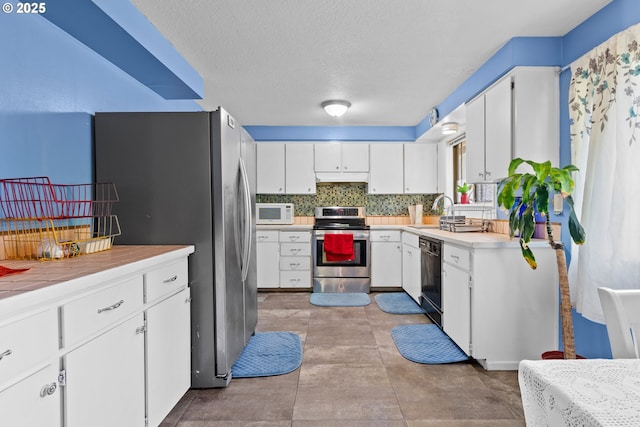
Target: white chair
x,y
621,309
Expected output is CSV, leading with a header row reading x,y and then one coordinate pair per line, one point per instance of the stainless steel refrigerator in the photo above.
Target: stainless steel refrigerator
x,y
189,178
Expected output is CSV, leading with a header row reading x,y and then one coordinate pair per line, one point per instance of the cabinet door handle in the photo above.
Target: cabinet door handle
x,y
295,251
172,279
48,389
7,352
294,264
111,307
294,237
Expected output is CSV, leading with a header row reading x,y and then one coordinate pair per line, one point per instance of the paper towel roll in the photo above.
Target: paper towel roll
x,y
418,214
412,214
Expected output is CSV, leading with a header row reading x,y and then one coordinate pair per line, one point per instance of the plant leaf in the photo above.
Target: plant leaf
x,y
527,224
528,256
578,235
542,199
514,165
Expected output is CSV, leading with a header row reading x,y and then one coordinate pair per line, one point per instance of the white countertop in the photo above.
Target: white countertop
x,y
17,290
470,239
474,239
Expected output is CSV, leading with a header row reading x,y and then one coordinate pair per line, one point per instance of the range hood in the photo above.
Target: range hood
x,y
342,177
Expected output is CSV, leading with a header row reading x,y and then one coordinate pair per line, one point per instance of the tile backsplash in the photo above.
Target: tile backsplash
x,y
351,194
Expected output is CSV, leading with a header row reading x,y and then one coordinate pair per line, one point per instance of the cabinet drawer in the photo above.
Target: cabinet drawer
x,y
385,235
27,342
267,236
166,280
295,249
295,279
295,236
410,239
457,256
288,263
89,314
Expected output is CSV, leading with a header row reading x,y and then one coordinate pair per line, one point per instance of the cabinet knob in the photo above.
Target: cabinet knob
x,y
48,389
337,167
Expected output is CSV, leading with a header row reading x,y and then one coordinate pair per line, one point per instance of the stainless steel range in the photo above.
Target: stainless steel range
x,y
341,250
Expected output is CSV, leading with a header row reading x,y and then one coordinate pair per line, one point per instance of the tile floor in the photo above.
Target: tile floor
x,y
352,375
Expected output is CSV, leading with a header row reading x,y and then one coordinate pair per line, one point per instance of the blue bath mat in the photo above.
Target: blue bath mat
x,y
269,354
427,344
397,303
340,299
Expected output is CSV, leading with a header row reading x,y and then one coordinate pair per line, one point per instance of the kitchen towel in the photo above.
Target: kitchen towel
x,y
338,247
269,354
397,303
426,343
339,299
5,271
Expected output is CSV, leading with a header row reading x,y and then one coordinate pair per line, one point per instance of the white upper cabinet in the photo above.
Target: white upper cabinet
x,y
355,157
386,168
489,133
420,168
339,157
516,117
299,175
270,169
285,168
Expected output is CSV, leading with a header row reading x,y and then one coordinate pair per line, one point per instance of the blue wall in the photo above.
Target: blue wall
x,y
50,85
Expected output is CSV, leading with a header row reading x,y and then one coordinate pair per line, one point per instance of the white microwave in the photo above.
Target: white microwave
x,y
274,213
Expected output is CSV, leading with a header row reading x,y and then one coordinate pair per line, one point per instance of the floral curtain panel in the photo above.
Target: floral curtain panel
x,y
604,104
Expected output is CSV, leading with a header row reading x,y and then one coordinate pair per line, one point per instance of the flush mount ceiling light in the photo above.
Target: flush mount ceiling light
x,y
336,108
449,128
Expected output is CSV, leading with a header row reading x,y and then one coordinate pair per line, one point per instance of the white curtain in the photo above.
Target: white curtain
x,y
604,103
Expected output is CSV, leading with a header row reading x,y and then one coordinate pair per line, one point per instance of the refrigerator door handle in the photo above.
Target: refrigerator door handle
x,y
246,228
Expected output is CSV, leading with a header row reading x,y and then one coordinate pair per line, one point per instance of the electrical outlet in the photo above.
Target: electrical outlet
x,y
558,204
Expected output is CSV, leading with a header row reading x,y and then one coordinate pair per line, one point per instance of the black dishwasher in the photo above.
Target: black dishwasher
x,y
431,278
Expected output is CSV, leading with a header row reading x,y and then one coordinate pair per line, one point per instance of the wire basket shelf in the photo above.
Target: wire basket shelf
x,y
37,197
42,220
51,239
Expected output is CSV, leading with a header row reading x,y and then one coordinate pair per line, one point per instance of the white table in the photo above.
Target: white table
x,y
585,393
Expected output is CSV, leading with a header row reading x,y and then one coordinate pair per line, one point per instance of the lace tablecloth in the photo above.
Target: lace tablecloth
x,y
584,393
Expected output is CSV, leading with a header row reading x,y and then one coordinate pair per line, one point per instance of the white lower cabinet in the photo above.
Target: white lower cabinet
x,y
284,258
268,258
105,379
168,354
411,266
295,259
497,309
114,352
386,258
34,401
456,299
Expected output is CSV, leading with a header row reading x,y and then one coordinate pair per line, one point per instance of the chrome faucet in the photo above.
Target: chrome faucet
x,y
440,197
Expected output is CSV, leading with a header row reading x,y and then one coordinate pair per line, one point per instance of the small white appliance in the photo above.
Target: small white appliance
x,y
274,213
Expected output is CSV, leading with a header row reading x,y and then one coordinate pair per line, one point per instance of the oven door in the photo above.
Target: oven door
x,y
359,266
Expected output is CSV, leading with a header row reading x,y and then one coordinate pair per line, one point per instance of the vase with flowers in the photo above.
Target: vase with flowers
x,y
464,189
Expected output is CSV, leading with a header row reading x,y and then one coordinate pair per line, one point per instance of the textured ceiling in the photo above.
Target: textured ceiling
x,y
273,62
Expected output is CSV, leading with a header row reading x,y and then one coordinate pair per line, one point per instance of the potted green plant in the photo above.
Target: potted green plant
x,y
536,189
464,189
